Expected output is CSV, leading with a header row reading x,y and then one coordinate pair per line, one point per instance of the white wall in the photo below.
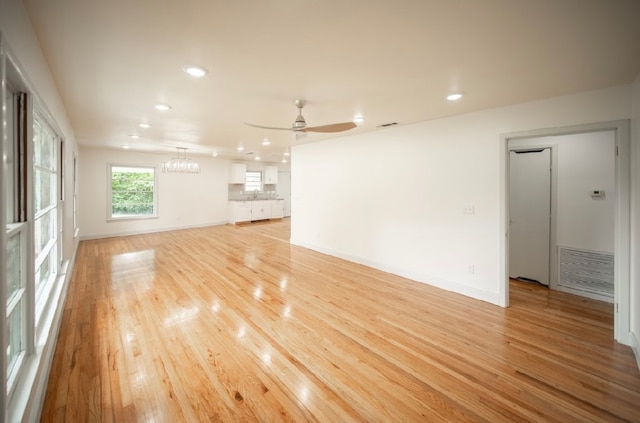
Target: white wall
x,y
185,200
394,198
635,221
585,162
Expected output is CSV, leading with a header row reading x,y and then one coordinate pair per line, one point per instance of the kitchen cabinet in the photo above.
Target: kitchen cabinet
x,y
240,211
277,209
271,175
238,173
248,211
260,210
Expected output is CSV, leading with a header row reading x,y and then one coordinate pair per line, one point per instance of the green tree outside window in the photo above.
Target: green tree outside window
x,y
132,191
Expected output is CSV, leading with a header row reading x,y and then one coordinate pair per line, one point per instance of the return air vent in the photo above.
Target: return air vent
x,y
386,125
585,270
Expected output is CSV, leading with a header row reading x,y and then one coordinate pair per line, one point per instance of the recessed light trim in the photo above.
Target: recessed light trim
x,y
284,160
240,148
266,142
134,136
144,125
126,147
286,153
257,158
195,70
215,154
162,107
358,119
454,96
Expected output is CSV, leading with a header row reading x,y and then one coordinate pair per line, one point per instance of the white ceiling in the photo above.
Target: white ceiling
x,y
391,61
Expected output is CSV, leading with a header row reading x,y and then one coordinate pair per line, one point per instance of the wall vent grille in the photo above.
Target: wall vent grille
x,y
586,270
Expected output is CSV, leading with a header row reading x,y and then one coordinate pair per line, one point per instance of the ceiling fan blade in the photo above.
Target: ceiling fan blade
x,y
334,127
268,127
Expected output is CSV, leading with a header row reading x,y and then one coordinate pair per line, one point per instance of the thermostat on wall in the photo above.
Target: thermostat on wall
x,y
596,193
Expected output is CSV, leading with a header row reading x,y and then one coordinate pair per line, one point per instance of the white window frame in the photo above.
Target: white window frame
x,y
110,217
43,290
248,174
76,225
20,297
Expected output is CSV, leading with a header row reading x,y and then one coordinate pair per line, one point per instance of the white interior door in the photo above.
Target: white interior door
x,y
529,214
283,189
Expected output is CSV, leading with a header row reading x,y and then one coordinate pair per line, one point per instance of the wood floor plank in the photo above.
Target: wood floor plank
x,y
232,323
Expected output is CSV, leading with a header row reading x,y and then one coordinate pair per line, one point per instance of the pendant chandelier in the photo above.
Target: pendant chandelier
x,y
181,164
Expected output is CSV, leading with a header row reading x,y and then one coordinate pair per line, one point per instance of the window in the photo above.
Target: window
x,y
253,181
31,200
45,199
132,192
16,233
76,229
16,300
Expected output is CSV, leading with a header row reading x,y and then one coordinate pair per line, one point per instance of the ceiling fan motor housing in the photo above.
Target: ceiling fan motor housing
x,y
299,124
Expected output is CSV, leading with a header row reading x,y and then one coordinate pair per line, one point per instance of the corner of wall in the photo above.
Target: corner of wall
x,y
635,346
634,335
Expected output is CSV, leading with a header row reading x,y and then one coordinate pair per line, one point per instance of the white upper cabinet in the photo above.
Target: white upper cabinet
x,y
271,174
238,172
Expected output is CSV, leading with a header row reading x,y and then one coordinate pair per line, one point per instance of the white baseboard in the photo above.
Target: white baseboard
x,y
490,297
152,231
635,346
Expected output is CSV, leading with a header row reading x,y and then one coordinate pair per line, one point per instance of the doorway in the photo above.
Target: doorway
x,y
621,199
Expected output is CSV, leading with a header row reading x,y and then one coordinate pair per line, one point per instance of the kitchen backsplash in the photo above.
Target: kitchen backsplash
x,y
237,193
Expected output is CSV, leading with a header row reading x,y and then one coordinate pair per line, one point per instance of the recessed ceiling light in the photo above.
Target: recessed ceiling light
x,y
358,119
266,141
257,158
162,107
215,154
286,153
134,136
284,160
126,147
144,125
194,70
454,96
240,148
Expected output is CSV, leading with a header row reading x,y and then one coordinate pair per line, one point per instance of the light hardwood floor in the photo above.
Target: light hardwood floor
x,y
235,324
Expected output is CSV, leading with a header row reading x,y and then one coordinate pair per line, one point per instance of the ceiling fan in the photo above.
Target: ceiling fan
x,y
300,125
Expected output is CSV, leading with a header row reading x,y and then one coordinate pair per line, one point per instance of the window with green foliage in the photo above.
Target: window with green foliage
x,y
133,192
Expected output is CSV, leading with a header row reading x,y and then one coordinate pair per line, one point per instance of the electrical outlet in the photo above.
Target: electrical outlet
x,y
469,209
